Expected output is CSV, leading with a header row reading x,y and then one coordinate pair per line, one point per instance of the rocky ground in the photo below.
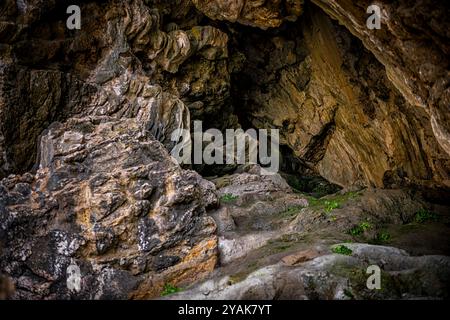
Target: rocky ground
x,y
92,205
278,243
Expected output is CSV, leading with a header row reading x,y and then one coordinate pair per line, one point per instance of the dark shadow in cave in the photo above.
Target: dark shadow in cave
x,y
261,70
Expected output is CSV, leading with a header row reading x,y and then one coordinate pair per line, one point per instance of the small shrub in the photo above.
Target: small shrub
x,y
330,205
360,229
228,198
341,249
423,215
169,289
381,238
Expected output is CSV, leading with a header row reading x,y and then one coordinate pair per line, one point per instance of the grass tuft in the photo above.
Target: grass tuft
x,y
169,289
228,198
359,229
341,249
423,215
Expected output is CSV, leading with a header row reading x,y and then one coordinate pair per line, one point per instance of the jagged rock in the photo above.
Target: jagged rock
x,y
335,106
110,67
248,219
413,45
86,122
336,277
262,14
108,199
251,184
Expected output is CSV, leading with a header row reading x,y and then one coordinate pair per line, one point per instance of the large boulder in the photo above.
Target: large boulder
x,y
109,201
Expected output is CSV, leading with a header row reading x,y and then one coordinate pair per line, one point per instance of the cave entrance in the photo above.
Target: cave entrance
x,y
258,60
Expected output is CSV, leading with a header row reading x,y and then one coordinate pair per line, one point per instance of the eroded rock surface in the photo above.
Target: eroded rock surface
x,y
278,244
335,106
262,14
113,66
92,205
413,45
109,200
336,277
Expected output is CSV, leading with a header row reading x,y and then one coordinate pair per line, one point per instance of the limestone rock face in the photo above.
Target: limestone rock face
x,y
335,277
413,45
108,200
336,107
368,116
92,205
112,66
262,14
90,111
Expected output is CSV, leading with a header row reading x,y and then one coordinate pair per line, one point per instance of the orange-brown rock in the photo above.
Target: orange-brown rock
x,y
262,14
299,257
336,108
108,201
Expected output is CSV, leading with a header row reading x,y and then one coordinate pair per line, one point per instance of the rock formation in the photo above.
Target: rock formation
x,y
86,119
353,122
107,199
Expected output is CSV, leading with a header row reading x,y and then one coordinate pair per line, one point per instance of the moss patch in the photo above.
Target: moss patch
x,y
169,289
382,237
227,198
341,249
360,228
329,203
423,215
283,243
242,275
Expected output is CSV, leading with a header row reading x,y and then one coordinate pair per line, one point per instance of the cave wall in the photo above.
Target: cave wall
x,y
413,45
86,118
89,111
335,106
358,114
119,64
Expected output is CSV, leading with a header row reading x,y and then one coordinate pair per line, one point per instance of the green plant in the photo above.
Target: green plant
x,y
360,229
352,194
330,205
423,215
228,198
341,249
169,289
365,226
381,237
332,202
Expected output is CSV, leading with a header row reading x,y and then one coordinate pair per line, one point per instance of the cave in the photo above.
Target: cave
x,y
95,205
